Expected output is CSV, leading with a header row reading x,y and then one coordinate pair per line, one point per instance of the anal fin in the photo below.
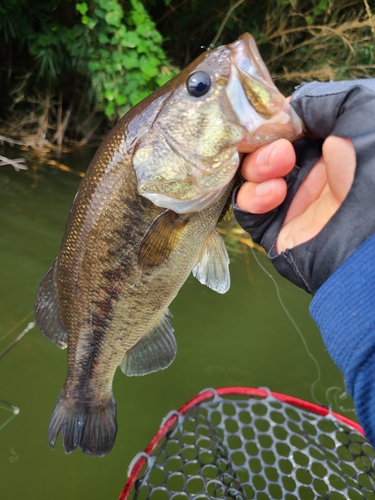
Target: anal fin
x,y
155,351
212,268
47,313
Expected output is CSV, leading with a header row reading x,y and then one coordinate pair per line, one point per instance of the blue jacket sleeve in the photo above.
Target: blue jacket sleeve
x,y
344,310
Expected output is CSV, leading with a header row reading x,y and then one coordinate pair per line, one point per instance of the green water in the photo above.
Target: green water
x,y
241,338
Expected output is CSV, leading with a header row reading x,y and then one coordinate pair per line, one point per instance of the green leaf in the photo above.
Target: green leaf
x,y
149,70
109,109
162,80
82,8
122,30
45,40
138,96
120,99
138,6
143,46
130,59
94,66
108,94
91,23
149,66
130,39
114,17
117,56
104,53
156,37
322,6
100,12
143,23
103,38
108,5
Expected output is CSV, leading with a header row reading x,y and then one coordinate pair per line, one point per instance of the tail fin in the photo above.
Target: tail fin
x,y
90,427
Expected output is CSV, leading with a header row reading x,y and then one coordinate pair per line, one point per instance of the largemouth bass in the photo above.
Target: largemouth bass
x,y
143,219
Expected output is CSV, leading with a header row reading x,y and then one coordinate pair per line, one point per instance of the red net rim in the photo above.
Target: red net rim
x,y
227,391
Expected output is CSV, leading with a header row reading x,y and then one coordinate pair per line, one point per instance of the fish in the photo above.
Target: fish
x,y
143,219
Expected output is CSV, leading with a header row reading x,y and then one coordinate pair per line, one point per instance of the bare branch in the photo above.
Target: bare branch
x,y
12,141
225,20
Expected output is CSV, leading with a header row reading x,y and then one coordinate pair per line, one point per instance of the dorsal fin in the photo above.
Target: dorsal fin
x,y
155,351
46,310
212,268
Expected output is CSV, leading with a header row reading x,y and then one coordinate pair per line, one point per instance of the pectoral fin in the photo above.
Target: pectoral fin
x,y
161,239
155,351
47,313
212,268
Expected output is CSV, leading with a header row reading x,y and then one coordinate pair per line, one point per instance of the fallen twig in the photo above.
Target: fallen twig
x,y
17,163
12,141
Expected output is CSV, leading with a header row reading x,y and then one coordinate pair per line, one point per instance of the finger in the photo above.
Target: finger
x,y
309,191
340,160
336,167
320,195
274,160
259,198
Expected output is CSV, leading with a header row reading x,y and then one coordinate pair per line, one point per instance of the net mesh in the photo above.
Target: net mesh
x,y
257,449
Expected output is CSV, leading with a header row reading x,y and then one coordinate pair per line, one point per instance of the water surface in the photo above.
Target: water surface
x,y
241,338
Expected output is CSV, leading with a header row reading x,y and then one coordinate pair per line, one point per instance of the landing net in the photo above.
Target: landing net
x,y
241,443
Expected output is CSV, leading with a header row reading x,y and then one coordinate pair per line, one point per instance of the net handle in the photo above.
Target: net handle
x,y
168,423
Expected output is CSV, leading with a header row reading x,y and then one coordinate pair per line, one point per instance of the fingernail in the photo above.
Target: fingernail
x,y
263,156
264,188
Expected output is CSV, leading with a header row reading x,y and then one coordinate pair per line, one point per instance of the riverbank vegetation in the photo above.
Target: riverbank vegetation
x,y
70,70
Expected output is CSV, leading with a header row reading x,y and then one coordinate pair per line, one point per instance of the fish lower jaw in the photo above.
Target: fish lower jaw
x,y
186,206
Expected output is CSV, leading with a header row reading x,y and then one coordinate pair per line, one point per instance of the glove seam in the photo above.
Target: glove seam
x,y
312,96
296,97
289,257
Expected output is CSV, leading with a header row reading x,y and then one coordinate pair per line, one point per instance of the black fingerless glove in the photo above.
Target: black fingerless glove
x,y
342,109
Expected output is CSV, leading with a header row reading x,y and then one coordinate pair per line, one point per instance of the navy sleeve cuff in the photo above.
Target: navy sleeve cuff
x,y
344,310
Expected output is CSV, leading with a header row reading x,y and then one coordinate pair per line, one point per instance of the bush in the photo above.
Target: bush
x,y
86,58
70,68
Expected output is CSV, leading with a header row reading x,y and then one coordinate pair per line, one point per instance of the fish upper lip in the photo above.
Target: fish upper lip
x,y
255,78
252,94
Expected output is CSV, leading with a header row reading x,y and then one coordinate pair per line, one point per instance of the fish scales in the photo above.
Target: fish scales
x,y
144,217
115,267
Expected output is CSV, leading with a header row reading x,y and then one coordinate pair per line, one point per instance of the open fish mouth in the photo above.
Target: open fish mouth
x,y
255,100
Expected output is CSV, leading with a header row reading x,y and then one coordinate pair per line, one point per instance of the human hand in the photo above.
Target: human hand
x,y
318,197
322,209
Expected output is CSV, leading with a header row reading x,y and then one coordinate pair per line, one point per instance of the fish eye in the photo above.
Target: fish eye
x,y
198,84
